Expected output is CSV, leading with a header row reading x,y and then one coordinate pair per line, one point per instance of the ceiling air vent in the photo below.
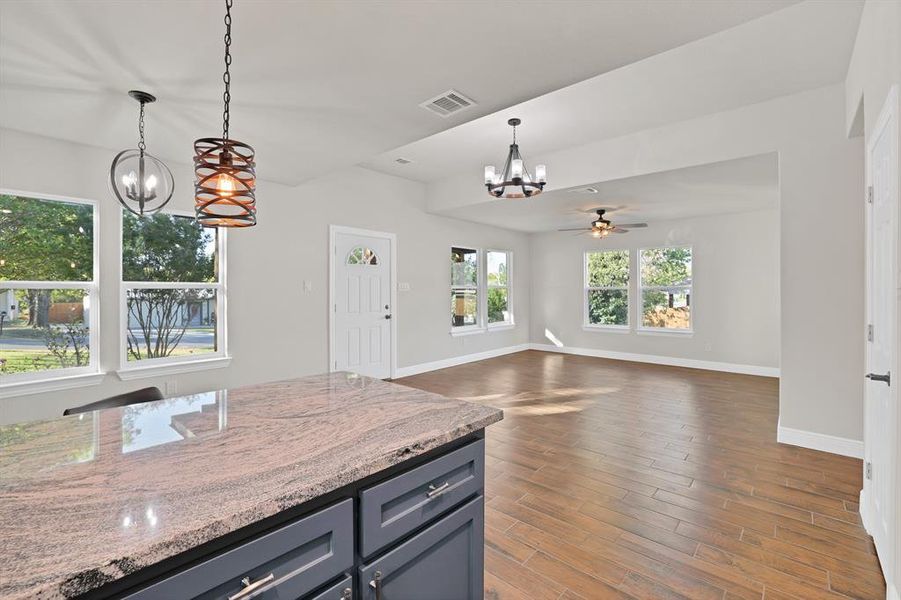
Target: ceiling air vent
x,y
448,103
402,161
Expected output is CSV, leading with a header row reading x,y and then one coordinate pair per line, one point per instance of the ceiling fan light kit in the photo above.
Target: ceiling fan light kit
x,y
225,169
142,183
515,181
602,227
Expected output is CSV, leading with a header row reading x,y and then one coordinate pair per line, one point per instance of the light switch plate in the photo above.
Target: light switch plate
x,y
403,287
307,286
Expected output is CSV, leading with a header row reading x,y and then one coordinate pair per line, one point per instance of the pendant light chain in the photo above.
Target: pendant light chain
x,y
226,77
141,144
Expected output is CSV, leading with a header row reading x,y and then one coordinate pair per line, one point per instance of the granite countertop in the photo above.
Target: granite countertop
x,y
88,499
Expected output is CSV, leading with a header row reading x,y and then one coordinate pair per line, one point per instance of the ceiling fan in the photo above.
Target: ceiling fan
x,y
602,227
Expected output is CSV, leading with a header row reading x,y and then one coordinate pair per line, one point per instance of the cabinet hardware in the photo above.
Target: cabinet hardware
x,y
437,491
376,584
347,594
250,588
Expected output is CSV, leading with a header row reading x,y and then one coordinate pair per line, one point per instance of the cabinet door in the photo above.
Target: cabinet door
x,y
443,562
343,590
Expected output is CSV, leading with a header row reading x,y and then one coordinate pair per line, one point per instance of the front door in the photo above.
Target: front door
x,y
361,303
881,420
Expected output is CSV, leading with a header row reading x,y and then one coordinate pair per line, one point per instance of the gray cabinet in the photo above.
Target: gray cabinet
x,y
400,505
343,590
284,564
442,562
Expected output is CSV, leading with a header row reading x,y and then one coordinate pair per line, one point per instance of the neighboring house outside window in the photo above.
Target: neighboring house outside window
x,y
500,311
666,284
48,289
606,298
465,289
172,291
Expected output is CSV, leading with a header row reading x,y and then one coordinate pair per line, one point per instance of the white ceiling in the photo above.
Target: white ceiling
x,y
801,47
319,85
732,186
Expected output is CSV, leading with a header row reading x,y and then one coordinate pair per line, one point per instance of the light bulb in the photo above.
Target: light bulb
x,y
489,174
596,233
129,180
541,173
516,168
150,182
225,184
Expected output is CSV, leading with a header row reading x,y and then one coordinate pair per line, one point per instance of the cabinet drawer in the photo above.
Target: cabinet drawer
x,y
293,560
442,562
343,590
399,505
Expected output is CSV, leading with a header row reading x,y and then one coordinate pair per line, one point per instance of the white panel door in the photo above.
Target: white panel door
x,y
880,416
362,304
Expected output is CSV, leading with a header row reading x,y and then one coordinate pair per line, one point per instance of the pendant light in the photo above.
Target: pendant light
x,y
224,169
141,182
515,181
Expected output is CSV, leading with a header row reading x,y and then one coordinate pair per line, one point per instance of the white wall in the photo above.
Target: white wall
x,y
275,329
820,183
735,295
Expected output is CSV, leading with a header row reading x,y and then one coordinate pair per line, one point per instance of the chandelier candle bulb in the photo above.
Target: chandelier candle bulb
x,y
489,174
516,168
541,173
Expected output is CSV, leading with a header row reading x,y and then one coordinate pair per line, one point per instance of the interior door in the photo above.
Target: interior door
x,y
362,304
880,416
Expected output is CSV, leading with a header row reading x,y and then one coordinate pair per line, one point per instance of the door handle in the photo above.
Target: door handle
x,y
249,587
886,379
376,584
387,316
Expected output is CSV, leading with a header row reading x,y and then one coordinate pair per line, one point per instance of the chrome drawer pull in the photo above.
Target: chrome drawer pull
x,y
347,594
437,491
376,584
250,588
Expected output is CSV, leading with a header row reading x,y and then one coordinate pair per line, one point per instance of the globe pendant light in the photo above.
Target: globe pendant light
x,y
224,169
141,182
515,181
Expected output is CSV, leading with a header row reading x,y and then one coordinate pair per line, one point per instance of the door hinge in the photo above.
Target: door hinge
x,y
868,470
870,332
870,194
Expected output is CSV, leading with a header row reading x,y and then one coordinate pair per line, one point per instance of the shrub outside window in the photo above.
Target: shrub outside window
x,y
172,290
666,284
465,288
498,288
48,288
607,289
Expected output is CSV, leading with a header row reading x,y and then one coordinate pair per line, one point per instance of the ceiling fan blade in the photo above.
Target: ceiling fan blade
x,y
619,230
576,229
633,225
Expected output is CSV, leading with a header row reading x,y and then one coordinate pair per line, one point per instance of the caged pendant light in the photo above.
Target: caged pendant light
x,y
142,183
225,169
515,181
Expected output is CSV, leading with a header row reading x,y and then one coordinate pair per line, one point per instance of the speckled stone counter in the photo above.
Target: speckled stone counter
x,y
88,499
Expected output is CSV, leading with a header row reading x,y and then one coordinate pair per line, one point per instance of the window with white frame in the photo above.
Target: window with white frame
x,y
465,282
665,284
498,288
606,297
48,288
172,290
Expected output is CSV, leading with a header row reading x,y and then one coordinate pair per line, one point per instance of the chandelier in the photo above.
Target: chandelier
x,y
225,169
515,181
141,182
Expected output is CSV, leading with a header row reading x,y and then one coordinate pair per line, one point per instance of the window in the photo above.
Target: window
x,y
666,288
607,289
464,288
362,256
498,282
48,286
173,293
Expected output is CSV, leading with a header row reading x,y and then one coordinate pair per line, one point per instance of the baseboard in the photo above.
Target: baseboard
x,y
864,505
819,441
671,361
457,360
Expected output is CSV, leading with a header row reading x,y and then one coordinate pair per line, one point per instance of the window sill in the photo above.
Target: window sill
x,y
173,368
607,328
462,331
666,332
38,386
501,327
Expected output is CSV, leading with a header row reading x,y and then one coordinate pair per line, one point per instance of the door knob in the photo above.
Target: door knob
x,y
886,379
387,316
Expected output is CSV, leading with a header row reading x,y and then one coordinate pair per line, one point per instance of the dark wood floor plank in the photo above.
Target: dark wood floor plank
x,y
626,480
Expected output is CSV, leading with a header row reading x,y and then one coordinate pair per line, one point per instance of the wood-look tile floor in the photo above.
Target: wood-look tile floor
x,y
611,479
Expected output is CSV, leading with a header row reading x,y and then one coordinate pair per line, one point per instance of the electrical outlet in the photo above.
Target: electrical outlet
x,y
307,286
708,347
403,287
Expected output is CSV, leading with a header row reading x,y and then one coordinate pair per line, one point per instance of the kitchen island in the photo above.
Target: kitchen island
x,y
318,487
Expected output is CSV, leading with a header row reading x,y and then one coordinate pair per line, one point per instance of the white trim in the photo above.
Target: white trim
x,y
671,361
23,388
664,331
467,330
392,241
891,592
819,441
607,328
173,368
501,326
459,360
